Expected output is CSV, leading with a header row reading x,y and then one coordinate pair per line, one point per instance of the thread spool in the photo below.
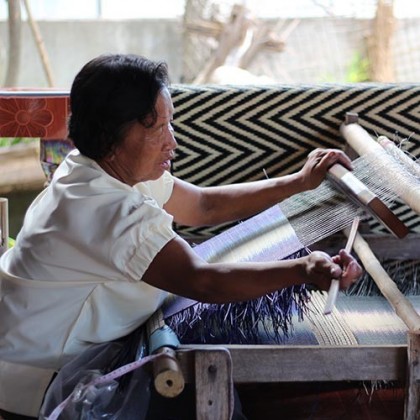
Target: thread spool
x,y
168,377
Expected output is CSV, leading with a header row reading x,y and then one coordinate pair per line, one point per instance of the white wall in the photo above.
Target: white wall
x,y
70,44
319,50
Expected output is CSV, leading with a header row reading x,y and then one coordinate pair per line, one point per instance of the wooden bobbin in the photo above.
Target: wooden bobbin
x,y
168,377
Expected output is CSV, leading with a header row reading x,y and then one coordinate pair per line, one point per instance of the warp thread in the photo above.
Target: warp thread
x,y
310,216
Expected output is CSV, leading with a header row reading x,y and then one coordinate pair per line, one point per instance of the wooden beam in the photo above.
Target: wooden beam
x,y
277,363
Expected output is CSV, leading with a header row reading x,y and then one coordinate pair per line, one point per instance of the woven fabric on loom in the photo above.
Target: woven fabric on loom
x,y
267,236
356,320
283,230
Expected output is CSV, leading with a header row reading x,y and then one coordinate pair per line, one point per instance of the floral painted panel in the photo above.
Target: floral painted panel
x,y
33,114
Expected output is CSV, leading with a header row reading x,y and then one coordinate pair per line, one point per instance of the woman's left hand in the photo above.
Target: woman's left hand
x,y
350,269
316,166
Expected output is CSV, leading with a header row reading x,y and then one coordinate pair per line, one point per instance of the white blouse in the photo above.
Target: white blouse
x,y
73,277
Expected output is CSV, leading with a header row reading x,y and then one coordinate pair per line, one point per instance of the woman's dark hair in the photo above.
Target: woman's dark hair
x,y
108,95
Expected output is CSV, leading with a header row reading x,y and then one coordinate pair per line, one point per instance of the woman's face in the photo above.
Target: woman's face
x,y
146,152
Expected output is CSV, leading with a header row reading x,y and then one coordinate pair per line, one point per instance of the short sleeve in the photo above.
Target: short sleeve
x,y
148,229
160,189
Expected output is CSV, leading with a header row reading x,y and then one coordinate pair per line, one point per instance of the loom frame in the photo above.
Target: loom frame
x,y
278,363
230,364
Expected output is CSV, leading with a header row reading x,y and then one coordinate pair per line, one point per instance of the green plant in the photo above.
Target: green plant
x,y
11,141
358,70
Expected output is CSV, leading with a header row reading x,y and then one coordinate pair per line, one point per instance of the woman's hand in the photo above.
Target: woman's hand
x,y
317,165
351,270
321,269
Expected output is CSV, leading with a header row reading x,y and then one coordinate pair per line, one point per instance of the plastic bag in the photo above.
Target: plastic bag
x,y
74,388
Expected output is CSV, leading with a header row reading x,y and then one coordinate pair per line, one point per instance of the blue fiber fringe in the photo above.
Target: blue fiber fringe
x,y
268,318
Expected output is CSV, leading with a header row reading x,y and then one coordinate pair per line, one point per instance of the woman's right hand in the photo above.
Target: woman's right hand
x,y
321,268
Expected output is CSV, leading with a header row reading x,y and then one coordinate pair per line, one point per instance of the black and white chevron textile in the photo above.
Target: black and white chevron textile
x,y
234,133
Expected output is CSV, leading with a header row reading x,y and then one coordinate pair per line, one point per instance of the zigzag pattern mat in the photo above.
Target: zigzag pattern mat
x,y
234,133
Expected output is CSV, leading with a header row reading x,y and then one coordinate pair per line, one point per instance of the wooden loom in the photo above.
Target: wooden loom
x,y
230,364
215,368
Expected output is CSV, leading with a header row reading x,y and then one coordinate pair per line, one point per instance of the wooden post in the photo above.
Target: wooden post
x,y
15,37
412,393
380,43
39,44
4,225
214,384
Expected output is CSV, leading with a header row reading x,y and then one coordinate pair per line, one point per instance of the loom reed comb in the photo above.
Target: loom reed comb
x,y
359,194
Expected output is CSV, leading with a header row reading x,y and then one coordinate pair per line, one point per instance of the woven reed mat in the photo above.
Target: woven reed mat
x,y
355,320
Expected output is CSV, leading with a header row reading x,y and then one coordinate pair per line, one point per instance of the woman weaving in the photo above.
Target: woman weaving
x,y
97,253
